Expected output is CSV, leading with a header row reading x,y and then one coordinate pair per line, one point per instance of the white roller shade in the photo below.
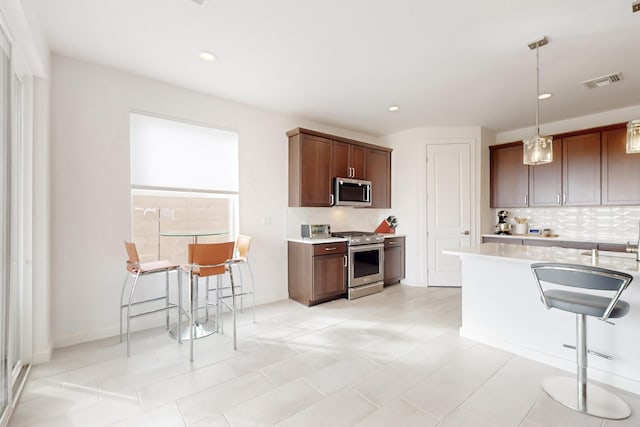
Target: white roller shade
x,y
173,154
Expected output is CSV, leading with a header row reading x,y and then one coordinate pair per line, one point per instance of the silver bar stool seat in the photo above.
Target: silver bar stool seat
x,y
582,396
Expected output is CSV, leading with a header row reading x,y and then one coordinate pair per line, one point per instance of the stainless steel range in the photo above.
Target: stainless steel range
x,y
366,262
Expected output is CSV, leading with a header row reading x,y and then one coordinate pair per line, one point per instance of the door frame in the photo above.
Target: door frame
x,y
474,197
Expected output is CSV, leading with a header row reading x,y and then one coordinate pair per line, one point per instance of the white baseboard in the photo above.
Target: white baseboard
x,y
42,356
139,324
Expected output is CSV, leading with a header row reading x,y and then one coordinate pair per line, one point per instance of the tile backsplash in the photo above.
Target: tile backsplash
x,y
611,223
340,219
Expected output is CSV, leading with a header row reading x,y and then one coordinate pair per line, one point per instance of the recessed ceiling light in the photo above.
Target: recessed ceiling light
x,y
207,56
544,96
394,108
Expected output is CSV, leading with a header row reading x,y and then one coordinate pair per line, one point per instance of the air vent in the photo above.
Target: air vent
x,y
602,81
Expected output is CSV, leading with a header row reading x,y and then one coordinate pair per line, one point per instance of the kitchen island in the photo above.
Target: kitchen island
x,y
501,307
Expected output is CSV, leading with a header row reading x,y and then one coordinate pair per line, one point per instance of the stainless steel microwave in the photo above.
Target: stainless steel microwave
x,y
352,192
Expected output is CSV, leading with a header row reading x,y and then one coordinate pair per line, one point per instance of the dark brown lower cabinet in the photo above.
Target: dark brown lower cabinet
x,y
612,247
501,240
317,272
394,260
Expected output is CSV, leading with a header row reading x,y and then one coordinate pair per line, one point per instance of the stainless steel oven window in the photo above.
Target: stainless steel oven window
x,y
365,264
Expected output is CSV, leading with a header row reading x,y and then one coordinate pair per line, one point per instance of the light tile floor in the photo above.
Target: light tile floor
x,y
392,359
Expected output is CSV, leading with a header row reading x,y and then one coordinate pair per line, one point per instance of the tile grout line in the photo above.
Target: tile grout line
x,y
511,357
363,396
313,387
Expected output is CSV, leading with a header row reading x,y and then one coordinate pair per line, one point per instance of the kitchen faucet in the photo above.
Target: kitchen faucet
x,y
634,248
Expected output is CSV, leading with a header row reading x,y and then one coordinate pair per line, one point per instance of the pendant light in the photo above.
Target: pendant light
x,y
633,136
538,149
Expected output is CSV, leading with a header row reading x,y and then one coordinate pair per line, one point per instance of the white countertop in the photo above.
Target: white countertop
x,y
565,238
318,241
392,235
336,239
528,254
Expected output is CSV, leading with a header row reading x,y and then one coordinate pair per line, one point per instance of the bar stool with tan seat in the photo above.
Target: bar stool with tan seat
x,y
241,258
243,244
136,269
595,282
207,260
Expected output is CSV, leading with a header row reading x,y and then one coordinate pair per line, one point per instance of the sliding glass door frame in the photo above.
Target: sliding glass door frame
x,y
16,228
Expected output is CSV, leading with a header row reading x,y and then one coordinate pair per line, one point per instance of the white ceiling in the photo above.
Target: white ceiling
x,y
343,62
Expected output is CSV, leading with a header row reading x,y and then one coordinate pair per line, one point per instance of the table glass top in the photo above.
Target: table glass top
x,y
193,233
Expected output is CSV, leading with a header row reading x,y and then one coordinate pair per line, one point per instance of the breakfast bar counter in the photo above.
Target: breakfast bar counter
x,y
501,307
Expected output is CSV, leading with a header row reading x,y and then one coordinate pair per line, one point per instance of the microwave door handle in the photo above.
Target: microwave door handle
x,y
368,193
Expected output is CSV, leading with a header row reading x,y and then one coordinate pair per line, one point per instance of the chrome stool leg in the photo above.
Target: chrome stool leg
x,y
122,304
581,396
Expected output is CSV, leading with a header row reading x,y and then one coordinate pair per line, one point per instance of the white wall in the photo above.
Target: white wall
x,y
90,209
409,189
584,122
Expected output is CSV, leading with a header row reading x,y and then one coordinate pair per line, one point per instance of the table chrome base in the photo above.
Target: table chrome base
x,y
600,402
200,330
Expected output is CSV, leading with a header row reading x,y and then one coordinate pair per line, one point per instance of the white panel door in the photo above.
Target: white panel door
x,y
448,210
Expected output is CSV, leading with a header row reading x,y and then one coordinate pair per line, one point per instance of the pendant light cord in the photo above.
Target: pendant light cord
x,y
537,91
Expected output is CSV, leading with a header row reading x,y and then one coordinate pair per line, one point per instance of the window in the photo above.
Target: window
x,y
184,177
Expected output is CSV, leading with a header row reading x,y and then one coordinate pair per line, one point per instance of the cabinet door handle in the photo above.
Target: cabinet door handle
x,y
465,232
330,249
564,198
391,243
353,172
526,199
344,263
331,199
558,198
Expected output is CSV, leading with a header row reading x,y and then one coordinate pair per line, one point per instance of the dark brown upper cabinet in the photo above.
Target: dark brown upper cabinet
x,y
581,170
349,160
620,171
545,181
379,173
316,158
509,177
310,171
590,167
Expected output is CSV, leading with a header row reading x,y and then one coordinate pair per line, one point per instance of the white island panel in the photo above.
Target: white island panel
x,y
501,307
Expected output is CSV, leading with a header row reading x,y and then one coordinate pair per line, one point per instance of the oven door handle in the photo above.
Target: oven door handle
x,y
366,247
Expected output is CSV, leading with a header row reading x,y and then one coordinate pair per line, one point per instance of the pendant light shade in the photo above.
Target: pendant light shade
x,y
633,137
538,149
